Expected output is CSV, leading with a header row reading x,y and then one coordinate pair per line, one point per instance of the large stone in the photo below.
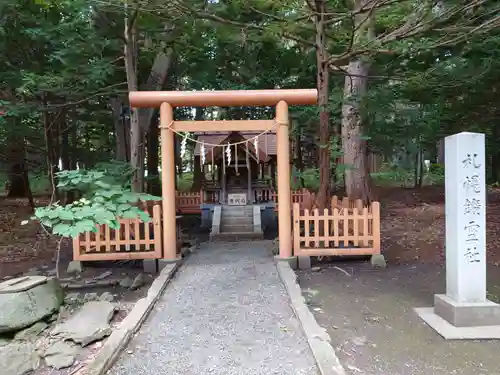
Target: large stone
x,y
18,358
27,300
74,266
60,355
31,332
126,282
378,261
89,324
138,282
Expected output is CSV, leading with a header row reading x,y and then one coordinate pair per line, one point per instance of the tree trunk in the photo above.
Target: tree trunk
x,y
420,182
51,131
122,131
324,113
197,171
73,139
416,170
66,160
197,174
178,159
154,186
17,185
299,161
440,151
273,173
130,55
357,176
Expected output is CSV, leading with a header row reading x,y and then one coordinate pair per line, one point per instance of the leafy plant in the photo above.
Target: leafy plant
x,y
103,202
106,197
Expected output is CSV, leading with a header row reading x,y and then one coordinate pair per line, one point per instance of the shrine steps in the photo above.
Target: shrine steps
x,y
236,223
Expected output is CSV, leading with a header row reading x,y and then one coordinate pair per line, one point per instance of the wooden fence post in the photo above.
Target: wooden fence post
x,y
376,226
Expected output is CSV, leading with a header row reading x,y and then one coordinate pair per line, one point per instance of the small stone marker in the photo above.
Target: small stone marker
x,y
465,304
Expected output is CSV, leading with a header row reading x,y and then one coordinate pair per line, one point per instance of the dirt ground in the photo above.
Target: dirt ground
x,y
413,225
369,316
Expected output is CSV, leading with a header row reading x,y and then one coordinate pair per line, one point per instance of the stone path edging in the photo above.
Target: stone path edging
x,y
317,337
131,324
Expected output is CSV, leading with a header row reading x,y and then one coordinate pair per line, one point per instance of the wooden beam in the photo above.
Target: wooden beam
x,y
153,99
224,126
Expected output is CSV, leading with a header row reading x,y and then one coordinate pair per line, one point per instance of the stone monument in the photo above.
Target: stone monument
x,y
464,312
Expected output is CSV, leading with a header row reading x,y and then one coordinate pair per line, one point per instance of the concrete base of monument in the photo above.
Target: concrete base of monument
x,y
485,313
462,321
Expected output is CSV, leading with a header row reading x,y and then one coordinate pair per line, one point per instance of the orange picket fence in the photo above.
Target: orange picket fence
x,y
134,240
346,228
188,202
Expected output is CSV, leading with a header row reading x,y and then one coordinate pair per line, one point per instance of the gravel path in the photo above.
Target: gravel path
x,y
226,312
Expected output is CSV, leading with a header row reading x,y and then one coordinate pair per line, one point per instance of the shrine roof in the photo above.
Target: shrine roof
x,y
219,137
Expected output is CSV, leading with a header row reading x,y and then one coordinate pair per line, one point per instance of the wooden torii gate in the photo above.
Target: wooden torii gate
x,y
167,100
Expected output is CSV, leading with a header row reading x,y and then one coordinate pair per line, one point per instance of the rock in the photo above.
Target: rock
x,y
138,282
103,275
52,318
106,283
193,248
74,266
33,272
31,332
90,297
52,272
60,355
126,282
378,261
373,319
4,341
106,296
185,251
359,341
316,269
89,324
27,300
71,298
18,358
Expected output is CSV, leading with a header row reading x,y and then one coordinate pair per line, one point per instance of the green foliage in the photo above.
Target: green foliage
x,y
405,177
103,202
70,53
104,176
436,169
185,181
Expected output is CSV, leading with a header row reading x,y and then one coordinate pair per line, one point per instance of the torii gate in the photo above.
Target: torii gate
x,y
167,100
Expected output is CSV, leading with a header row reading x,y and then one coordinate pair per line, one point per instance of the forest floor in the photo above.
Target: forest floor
x,y
413,225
